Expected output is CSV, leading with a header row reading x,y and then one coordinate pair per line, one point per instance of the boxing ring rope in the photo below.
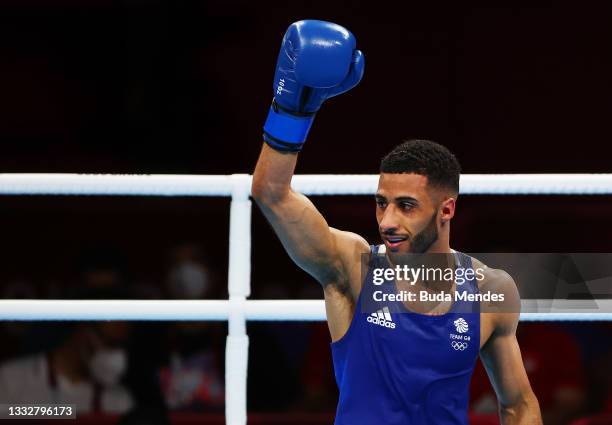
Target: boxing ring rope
x,y
311,184
237,309
262,310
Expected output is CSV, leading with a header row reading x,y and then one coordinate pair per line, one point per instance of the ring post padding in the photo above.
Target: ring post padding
x,y
239,286
236,358
239,273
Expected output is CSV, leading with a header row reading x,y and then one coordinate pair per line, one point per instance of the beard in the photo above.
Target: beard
x,y
422,241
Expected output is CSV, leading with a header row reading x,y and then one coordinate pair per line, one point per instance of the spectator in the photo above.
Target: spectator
x,y
85,369
193,378
102,268
189,274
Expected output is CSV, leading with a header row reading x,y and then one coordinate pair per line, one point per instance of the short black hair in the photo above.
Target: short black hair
x,y
426,158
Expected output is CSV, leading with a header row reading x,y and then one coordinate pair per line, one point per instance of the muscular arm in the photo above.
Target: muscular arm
x,y
501,357
322,251
330,65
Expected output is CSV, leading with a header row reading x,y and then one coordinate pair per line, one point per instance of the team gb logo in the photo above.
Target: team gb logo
x,y
461,325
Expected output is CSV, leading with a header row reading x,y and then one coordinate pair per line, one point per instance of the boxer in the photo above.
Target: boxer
x,y
403,364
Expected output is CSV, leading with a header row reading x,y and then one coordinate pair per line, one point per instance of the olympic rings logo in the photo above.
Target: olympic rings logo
x,y
459,345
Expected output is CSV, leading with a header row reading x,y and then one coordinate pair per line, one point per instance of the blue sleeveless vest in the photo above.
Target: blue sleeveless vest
x,y
394,366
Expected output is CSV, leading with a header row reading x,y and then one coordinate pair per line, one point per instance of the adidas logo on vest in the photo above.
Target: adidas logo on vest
x,y
382,318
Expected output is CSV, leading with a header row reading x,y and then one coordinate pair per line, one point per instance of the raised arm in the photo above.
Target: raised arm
x,y
311,243
317,60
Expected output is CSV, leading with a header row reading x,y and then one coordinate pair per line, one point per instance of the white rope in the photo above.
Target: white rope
x,y
314,184
471,184
220,310
536,184
115,184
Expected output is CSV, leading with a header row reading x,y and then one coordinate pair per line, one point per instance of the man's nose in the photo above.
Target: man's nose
x,y
389,222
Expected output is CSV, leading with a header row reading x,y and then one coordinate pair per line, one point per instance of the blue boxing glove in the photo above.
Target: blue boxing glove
x,y
317,60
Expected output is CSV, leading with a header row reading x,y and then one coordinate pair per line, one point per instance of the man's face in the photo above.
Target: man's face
x,y
406,212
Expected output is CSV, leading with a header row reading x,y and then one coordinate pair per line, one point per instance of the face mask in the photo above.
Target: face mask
x,y
188,280
108,365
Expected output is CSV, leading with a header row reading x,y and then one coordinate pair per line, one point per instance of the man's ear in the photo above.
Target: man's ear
x,y
447,209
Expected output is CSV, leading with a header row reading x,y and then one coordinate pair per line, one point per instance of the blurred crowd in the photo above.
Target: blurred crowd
x,y
143,371
112,367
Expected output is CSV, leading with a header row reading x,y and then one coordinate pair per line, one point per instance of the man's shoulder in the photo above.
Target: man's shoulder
x,y
350,241
352,249
505,304
492,278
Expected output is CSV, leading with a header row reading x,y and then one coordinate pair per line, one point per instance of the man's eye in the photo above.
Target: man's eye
x,y
406,206
381,204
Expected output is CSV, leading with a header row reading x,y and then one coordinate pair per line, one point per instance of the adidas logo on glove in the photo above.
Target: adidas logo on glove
x,y
382,318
